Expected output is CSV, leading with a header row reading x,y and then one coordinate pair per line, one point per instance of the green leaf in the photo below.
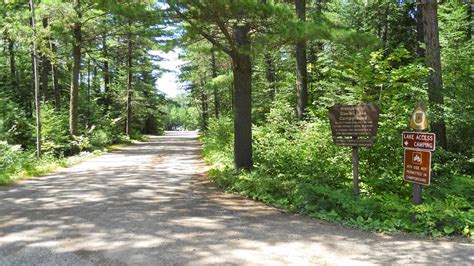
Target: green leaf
x,y
448,229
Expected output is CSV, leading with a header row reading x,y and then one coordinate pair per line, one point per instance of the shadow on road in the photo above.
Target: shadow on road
x,y
151,203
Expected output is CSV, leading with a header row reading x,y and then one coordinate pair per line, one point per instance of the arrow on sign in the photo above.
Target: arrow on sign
x,y
406,143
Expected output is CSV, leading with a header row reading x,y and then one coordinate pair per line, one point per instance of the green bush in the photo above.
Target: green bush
x,y
298,167
55,137
11,157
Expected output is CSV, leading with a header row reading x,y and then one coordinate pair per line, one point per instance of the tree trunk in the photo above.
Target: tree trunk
x,y
242,95
76,67
419,32
55,77
204,108
385,27
129,87
13,76
270,74
95,86
45,65
88,93
36,82
470,6
106,74
301,70
214,75
433,60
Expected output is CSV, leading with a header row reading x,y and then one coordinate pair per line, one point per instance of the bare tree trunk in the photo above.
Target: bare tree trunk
x,y
106,73
76,67
13,76
204,107
242,69
301,69
55,77
433,60
420,35
470,6
95,86
36,82
45,65
88,93
129,86
214,75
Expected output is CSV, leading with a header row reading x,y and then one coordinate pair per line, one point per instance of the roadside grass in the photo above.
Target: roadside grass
x,y
303,172
25,165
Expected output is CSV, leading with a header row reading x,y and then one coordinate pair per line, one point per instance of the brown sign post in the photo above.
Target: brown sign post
x,y
417,156
354,126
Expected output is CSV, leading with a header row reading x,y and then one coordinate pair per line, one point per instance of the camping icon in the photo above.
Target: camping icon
x,y
417,158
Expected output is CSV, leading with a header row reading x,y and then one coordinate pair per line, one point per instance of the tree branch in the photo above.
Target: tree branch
x,y
201,32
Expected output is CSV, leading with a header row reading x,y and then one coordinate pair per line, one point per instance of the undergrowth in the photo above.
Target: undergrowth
x,y
17,164
297,167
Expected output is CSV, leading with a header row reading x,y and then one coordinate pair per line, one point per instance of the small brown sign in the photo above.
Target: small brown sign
x,y
420,141
354,125
417,166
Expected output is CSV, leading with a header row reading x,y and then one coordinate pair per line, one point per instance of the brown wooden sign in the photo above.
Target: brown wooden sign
x,y
420,141
417,166
354,125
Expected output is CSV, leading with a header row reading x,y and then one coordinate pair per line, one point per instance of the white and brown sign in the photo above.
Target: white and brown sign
x,y
419,141
417,166
354,125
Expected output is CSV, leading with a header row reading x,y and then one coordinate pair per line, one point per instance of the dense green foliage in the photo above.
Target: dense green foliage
x,y
300,169
116,85
181,114
357,52
249,65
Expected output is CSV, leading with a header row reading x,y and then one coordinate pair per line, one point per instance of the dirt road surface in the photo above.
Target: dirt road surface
x,y
151,204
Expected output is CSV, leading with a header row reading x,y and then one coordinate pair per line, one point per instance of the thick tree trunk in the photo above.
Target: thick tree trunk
x,y
76,67
214,75
45,65
301,70
242,69
129,87
55,77
433,60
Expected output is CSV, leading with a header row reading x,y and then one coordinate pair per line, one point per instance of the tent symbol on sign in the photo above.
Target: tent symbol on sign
x,y
417,158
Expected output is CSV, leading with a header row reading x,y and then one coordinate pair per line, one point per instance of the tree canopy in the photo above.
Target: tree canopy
x,y
259,77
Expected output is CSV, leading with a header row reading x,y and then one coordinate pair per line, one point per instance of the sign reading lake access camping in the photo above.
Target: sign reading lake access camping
x,y
354,125
419,141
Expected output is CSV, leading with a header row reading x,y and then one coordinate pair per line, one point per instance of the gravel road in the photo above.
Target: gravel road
x,y
151,204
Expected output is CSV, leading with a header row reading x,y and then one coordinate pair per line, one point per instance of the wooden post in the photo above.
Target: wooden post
x,y
417,192
355,169
417,188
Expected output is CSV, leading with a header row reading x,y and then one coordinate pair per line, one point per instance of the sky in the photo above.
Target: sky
x,y
168,83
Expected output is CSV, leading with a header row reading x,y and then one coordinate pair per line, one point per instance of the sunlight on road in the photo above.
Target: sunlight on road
x,y
151,203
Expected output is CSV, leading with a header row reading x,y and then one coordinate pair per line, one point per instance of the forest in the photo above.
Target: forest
x,y
260,75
